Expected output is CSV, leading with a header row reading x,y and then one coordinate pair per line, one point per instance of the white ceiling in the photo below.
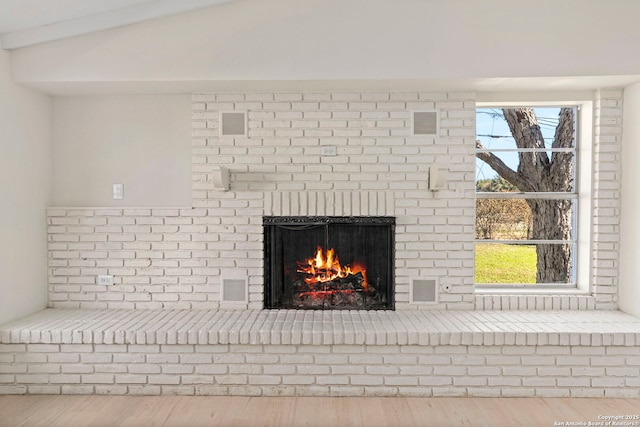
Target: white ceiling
x,y
322,44
17,15
28,22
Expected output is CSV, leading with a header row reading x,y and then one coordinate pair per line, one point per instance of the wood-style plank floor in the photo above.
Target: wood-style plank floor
x,y
194,411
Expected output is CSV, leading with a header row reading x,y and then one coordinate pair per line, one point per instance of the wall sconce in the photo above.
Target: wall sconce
x,y
219,176
438,177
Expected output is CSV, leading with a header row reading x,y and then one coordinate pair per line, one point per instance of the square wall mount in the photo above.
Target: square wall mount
x,y
438,177
219,176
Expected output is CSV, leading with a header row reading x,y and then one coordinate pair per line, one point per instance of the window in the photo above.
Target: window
x,y
530,228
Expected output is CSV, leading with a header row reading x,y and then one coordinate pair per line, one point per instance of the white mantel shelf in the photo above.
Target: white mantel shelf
x,y
290,327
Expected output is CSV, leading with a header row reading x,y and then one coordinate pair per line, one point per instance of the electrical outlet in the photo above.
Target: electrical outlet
x,y
105,279
328,150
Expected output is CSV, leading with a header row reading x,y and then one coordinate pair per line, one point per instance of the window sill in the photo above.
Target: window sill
x,y
530,291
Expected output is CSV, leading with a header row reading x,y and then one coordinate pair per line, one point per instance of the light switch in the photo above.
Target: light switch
x,y
118,191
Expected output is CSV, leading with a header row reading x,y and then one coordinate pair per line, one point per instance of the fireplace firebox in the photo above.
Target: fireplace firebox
x,y
329,262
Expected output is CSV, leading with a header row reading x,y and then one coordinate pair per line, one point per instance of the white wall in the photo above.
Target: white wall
x,y
143,142
629,224
357,39
25,176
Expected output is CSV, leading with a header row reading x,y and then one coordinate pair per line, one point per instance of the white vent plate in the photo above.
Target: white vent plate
x,y
234,291
425,123
233,123
424,291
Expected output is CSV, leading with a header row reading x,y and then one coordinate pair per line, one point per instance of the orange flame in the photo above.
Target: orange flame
x,y
326,267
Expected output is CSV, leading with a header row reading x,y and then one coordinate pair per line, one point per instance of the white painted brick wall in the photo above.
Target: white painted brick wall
x,y
174,258
270,370
606,202
281,162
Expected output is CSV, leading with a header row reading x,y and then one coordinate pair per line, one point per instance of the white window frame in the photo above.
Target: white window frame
x,y
584,185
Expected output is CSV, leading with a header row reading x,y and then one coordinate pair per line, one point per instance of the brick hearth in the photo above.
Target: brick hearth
x,y
340,353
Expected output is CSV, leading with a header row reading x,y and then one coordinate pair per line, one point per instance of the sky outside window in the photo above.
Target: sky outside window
x,y
493,132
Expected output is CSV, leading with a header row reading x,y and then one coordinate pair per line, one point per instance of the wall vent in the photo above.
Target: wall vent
x,y
234,291
233,123
425,123
424,291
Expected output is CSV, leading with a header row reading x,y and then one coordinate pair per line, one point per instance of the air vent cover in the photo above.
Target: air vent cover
x,y
233,124
425,123
234,290
424,291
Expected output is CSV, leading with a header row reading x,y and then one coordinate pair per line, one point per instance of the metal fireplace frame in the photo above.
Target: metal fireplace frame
x,y
272,296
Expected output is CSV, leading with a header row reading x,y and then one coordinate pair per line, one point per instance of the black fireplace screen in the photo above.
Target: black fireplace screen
x,y
323,263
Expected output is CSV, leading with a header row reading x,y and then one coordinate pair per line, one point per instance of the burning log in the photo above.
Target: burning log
x,y
326,267
324,282
353,282
342,292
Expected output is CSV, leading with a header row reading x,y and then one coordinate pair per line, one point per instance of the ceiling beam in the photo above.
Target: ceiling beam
x,y
101,21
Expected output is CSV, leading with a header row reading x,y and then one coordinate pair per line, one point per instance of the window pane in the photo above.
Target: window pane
x,y
501,159
499,263
525,219
526,238
493,131
562,167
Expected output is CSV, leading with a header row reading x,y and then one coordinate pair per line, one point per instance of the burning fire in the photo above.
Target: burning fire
x,y
325,267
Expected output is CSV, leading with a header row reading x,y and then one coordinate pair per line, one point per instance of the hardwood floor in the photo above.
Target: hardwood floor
x,y
194,411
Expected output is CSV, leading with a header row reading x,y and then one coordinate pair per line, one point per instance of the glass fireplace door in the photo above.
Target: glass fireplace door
x,y
329,262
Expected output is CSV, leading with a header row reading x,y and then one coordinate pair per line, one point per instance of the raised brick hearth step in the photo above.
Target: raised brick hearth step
x,y
78,326
313,353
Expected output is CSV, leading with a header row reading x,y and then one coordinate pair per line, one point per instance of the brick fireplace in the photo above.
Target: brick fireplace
x,y
346,154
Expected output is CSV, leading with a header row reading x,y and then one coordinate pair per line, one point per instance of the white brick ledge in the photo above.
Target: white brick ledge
x,y
278,327
327,203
